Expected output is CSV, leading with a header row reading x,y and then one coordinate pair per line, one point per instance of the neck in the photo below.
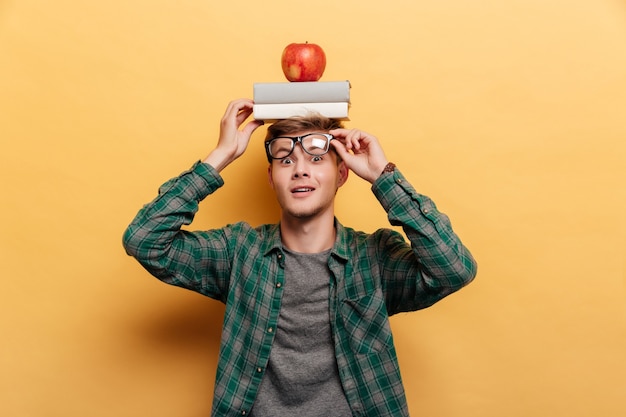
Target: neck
x,y
313,235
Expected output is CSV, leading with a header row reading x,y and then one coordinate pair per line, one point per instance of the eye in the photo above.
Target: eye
x,y
317,158
286,161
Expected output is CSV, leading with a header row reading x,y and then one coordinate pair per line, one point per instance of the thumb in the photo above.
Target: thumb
x,y
252,126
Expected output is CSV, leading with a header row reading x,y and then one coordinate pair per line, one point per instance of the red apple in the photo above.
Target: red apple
x,y
303,62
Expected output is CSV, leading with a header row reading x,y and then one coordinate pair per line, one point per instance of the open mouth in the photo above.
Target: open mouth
x,y
302,190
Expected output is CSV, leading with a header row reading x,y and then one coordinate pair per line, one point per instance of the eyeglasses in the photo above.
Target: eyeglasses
x,y
315,144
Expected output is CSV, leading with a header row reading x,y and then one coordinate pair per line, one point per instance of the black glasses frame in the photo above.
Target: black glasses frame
x,y
297,139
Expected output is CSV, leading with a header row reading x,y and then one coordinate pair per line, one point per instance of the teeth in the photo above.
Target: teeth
x,y
302,190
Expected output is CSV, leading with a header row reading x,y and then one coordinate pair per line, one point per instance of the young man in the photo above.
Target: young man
x,y
306,327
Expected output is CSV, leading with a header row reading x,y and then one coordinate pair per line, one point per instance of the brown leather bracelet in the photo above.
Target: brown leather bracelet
x,y
390,167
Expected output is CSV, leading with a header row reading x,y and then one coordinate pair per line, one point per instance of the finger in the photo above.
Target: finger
x,y
354,138
339,133
340,148
242,115
241,103
348,138
252,126
230,115
235,106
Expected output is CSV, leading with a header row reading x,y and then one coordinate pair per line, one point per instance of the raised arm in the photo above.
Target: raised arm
x,y
193,260
435,263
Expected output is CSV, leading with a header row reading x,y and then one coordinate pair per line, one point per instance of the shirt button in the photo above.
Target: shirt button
x,y
399,180
244,412
259,369
425,211
278,285
271,329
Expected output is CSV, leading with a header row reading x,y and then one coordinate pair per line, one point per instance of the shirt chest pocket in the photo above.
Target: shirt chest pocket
x,y
367,324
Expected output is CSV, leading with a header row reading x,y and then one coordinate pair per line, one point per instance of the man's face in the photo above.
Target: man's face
x,y
305,185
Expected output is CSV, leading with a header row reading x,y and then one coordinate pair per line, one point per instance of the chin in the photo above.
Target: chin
x,y
303,214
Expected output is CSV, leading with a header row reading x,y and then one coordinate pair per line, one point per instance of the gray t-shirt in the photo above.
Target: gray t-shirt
x,y
302,377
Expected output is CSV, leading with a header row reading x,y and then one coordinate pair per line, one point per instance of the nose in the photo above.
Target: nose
x,y
300,165
300,169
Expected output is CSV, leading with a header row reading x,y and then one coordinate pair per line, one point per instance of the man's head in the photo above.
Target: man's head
x,y
305,178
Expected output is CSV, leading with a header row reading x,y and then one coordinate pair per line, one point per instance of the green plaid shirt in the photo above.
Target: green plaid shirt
x,y
372,276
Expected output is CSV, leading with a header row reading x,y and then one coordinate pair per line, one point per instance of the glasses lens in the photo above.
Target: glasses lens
x,y
280,147
315,144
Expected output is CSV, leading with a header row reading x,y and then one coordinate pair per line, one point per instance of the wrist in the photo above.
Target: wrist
x,y
217,160
390,167
376,172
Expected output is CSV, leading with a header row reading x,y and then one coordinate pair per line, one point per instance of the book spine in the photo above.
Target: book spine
x,y
302,92
277,111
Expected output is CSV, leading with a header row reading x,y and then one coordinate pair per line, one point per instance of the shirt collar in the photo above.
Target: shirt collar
x,y
339,249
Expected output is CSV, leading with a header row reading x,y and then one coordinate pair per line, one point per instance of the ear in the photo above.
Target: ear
x,y
269,176
343,172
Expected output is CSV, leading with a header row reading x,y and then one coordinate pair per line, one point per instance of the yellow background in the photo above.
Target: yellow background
x,y
509,114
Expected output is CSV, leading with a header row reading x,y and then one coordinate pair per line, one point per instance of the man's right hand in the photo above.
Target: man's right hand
x,y
233,139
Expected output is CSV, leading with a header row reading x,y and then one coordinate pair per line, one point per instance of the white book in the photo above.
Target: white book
x,y
277,111
302,92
